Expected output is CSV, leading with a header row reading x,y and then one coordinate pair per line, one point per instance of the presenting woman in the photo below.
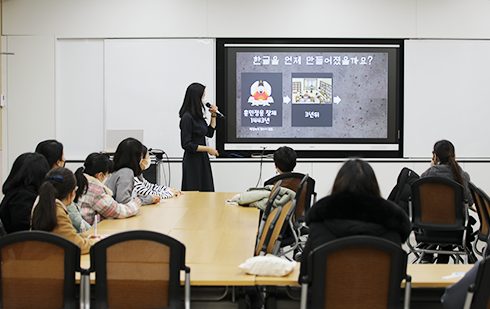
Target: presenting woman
x,y
196,169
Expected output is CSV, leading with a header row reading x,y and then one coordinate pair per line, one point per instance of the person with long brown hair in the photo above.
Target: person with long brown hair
x,y
444,164
355,207
49,213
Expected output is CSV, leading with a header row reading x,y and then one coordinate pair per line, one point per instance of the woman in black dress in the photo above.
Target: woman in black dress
x,y
196,169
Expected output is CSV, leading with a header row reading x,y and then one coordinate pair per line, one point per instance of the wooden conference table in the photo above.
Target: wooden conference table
x,y
218,237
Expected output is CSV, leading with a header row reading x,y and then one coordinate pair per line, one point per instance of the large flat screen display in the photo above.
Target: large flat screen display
x,y
322,98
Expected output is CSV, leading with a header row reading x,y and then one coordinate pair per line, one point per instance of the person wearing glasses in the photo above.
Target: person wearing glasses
x,y
52,150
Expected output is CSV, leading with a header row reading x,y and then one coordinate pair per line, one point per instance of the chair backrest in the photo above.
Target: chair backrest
x,y
480,290
272,196
276,231
282,226
292,182
438,204
2,230
482,208
137,269
269,226
301,205
356,272
38,270
268,208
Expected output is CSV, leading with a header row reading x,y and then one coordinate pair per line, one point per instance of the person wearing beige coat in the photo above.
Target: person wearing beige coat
x,y
50,214
65,229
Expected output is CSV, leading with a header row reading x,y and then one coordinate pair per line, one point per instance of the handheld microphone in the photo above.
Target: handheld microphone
x,y
217,112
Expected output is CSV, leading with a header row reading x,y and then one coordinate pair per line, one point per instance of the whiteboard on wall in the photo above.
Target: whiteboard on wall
x,y
145,81
447,94
80,96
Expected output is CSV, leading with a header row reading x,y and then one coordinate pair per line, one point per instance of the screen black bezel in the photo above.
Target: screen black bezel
x,y
395,101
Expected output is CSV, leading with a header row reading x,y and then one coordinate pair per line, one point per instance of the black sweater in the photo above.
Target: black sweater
x,y
343,215
15,209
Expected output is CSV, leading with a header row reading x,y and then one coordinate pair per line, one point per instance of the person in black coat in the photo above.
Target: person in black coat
x,y
196,168
355,207
21,189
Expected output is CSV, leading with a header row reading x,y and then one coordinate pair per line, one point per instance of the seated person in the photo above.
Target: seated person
x,y
444,165
20,190
284,162
93,197
144,187
127,165
49,212
285,159
355,207
52,150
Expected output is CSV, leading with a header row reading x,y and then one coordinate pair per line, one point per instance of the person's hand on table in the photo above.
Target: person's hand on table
x,y
138,201
175,192
156,199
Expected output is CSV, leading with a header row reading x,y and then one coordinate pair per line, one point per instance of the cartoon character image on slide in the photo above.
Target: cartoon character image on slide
x,y
261,94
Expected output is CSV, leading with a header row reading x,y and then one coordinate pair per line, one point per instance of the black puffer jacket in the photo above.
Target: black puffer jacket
x,y
343,215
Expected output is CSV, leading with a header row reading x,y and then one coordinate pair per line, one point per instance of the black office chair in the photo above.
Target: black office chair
x,y
482,203
268,208
264,241
292,181
439,214
356,272
478,295
38,270
139,269
291,236
2,230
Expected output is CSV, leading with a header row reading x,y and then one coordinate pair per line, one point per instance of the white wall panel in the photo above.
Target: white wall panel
x,y
453,19
105,18
30,106
80,97
312,18
446,96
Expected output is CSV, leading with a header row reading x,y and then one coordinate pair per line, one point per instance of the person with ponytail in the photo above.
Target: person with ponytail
x,y
444,164
144,187
20,190
93,197
49,212
127,165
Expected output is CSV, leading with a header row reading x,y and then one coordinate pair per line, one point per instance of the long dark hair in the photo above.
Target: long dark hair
x,y
58,184
444,150
128,154
357,177
52,150
193,101
28,171
95,163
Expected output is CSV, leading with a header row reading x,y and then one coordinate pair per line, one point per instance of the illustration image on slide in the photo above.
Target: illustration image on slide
x,y
261,92
312,90
258,106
